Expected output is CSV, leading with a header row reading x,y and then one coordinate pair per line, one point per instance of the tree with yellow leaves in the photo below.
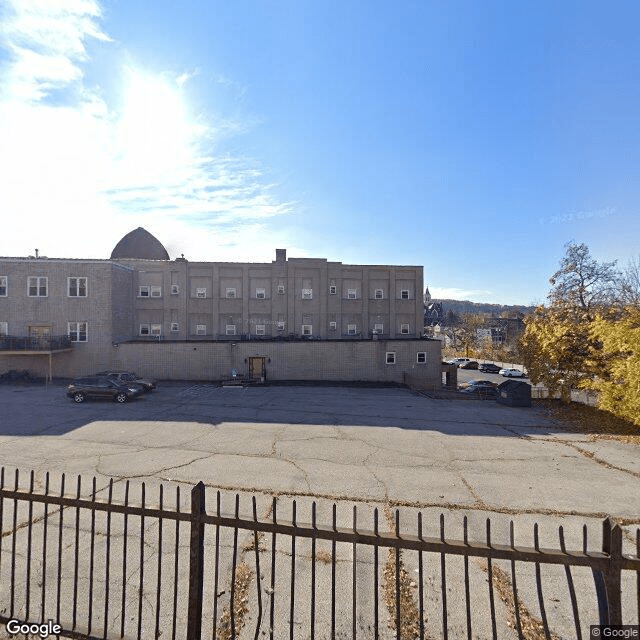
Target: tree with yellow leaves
x,y
619,382
557,347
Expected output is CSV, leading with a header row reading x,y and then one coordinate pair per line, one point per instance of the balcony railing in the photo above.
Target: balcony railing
x,y
35,343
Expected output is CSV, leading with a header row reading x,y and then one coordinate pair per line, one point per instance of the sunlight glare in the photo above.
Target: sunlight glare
x,y
156,138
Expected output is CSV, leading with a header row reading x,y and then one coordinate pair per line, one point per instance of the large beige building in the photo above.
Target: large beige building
x,y
139,304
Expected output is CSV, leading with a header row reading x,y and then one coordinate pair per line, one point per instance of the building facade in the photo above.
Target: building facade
x,y
140,296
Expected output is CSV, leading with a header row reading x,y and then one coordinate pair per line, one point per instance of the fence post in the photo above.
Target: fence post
x,y
196,563
608,582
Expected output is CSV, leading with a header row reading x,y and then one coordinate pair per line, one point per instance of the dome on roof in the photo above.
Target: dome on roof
x,y
139,244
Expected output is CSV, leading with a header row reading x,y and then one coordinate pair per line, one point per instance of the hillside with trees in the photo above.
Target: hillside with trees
x,y
460,307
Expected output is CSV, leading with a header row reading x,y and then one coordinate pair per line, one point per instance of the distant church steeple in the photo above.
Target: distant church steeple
x,y
427,296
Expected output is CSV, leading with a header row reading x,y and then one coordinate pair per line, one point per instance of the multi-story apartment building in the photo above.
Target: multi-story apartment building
x,y
140,295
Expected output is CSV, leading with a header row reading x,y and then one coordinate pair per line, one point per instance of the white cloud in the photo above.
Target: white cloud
x,y
455,293
80,168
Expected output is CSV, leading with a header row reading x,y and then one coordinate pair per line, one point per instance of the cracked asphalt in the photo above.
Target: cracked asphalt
x,y
375,448
357,444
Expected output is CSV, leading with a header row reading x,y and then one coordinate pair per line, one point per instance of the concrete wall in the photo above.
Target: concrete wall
x,y
335,360
322,360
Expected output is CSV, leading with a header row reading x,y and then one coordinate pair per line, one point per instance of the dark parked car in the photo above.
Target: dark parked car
x,y
102,388
481,391
489,367
481,383
472,364
125,377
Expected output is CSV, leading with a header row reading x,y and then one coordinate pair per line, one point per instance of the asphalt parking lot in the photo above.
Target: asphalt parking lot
x,y
345,443
380,448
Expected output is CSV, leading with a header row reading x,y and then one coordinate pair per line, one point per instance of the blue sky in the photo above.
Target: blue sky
x,y
474,138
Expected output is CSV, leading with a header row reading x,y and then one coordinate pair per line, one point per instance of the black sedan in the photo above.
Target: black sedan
x,y
102,389
481,391
472,364
127,377
489,367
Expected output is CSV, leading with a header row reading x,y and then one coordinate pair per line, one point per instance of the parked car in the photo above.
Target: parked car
x,y
512,373
481,390
102,388
125,377
481,383
472,364
458,361
489,367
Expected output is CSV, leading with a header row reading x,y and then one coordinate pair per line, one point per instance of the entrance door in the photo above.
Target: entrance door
x,y
257,369
40,331
40,334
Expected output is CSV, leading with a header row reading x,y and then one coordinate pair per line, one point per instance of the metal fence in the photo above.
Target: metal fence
x,y
35,343
131,568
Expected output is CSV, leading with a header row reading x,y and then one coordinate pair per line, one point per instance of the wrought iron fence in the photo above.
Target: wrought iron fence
x,y
131,568
35,343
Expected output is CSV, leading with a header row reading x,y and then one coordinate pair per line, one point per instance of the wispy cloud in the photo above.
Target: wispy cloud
x,y
81,168
454,293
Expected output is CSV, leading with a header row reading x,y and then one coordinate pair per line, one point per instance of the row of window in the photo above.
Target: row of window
x,y
152,291
390,357
153,329
38,287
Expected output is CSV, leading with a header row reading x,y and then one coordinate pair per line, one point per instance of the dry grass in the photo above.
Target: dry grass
x,y
409,614
532,628
599,424
240,597
324,556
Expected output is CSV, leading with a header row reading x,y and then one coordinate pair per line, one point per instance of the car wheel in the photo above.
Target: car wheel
x,y
78,397
121,397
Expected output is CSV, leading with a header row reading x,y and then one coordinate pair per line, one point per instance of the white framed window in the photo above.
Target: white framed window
x,y
37,286
230,329
231,292
201,292
307,294
149,291
351,329
307,330
378,327
77,331
333,325
201,329
351,294
175,326
260,329
378,294
175,289
421,357
3,285
281,288
4,329
77,287
333,289
404,328
280,325
390,357
261,293
147,329
404,294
